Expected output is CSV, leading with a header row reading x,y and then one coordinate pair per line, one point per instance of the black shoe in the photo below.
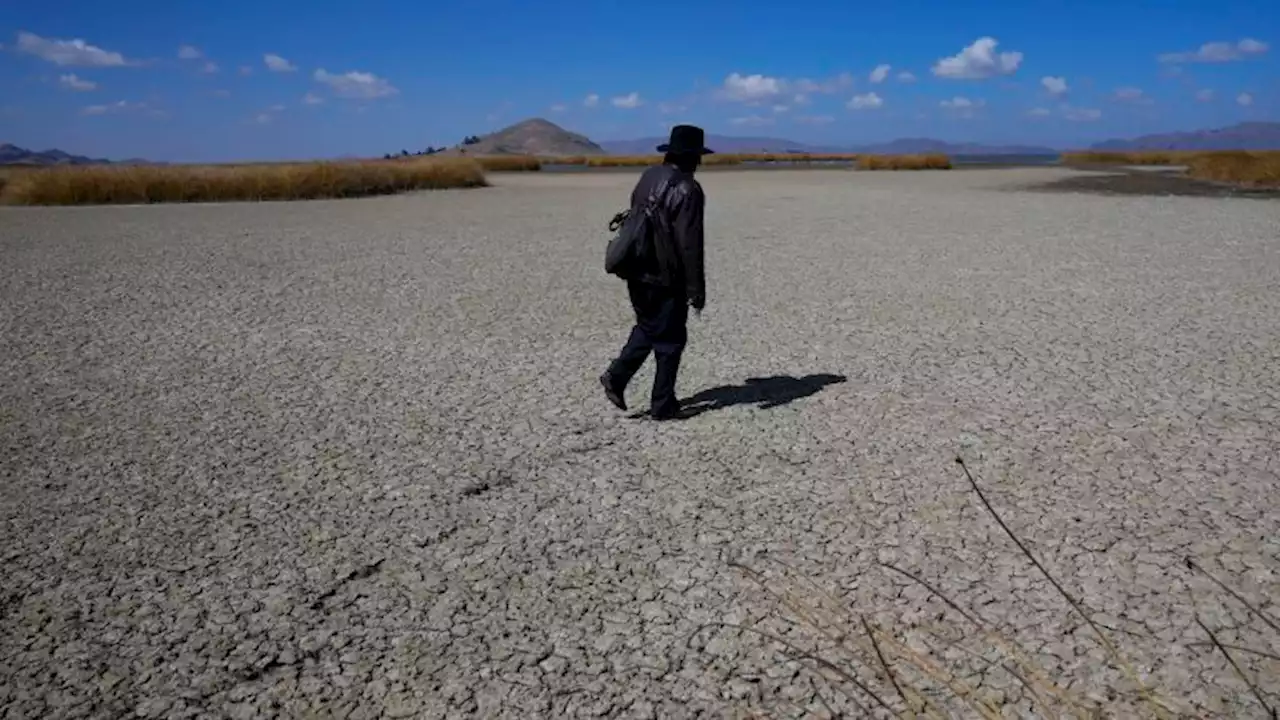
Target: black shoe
x,y
614,396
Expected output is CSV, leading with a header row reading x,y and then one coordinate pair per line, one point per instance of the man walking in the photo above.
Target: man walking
x,y
672,279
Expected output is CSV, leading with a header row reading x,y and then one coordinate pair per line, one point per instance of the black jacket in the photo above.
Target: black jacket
x,y
678,247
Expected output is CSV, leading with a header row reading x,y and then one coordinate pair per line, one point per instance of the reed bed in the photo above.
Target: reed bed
x,y
104,184
1246,167
927,161
622,160
1144,157
717,159
797,157
509,163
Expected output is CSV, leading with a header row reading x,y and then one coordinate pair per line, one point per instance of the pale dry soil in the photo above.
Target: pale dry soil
x,y
350,459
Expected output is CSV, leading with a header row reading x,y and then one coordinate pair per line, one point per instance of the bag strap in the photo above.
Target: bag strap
x,y
655,196
658,192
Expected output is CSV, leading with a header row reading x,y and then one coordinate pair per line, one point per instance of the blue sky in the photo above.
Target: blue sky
x,y
277,80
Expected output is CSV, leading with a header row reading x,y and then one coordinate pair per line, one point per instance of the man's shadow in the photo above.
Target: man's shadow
x,y
766,393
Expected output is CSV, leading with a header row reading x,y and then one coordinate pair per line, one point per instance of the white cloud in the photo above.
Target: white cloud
x,y
752,88
1132,95
752,121
1249,46
1205,95
628,102
210,67
1038,112
591,100
906,76
353,84
879,74
558,108
1055,85
781,108
1076,114
115,107
814,119
312,99
978,61
1217,52
72,82
830,86
189,52
268,116
962,106
1244,99
866,101
275,63
668,108
69,52
759,89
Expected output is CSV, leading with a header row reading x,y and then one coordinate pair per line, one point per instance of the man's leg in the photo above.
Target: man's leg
x,y
628,362
668,347
633,354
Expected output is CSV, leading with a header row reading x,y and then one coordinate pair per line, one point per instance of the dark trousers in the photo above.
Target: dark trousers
x,y
662,326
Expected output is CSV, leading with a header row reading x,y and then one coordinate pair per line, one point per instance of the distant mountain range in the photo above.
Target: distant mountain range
x,y
1244,136
732,144
14,155
719,143
535,136
538,136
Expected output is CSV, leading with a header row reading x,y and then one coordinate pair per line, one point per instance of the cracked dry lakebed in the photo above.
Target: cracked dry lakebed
x,y
350,458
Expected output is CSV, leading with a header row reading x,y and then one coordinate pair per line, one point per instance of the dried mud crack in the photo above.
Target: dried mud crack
x,y
350,458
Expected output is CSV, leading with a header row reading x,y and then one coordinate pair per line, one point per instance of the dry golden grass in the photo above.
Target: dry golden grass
x,y
621,160
1141,157
509,163
928,161
717,159
721,159
104,184
1261,168
1246,167
564,160
795,157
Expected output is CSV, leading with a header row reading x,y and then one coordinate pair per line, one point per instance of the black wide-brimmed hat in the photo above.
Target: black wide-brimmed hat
x,y
686,139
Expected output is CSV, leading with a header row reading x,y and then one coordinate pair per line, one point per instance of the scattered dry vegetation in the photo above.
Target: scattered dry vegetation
x,y
716,159
622,160
1144,157
925,670
797,157
509,163
1246,167
105,184
9,172
928,161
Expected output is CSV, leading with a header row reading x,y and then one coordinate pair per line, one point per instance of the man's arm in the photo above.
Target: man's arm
x,y
687,228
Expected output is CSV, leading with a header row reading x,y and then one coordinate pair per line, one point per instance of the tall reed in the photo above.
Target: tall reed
x,y
106,184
